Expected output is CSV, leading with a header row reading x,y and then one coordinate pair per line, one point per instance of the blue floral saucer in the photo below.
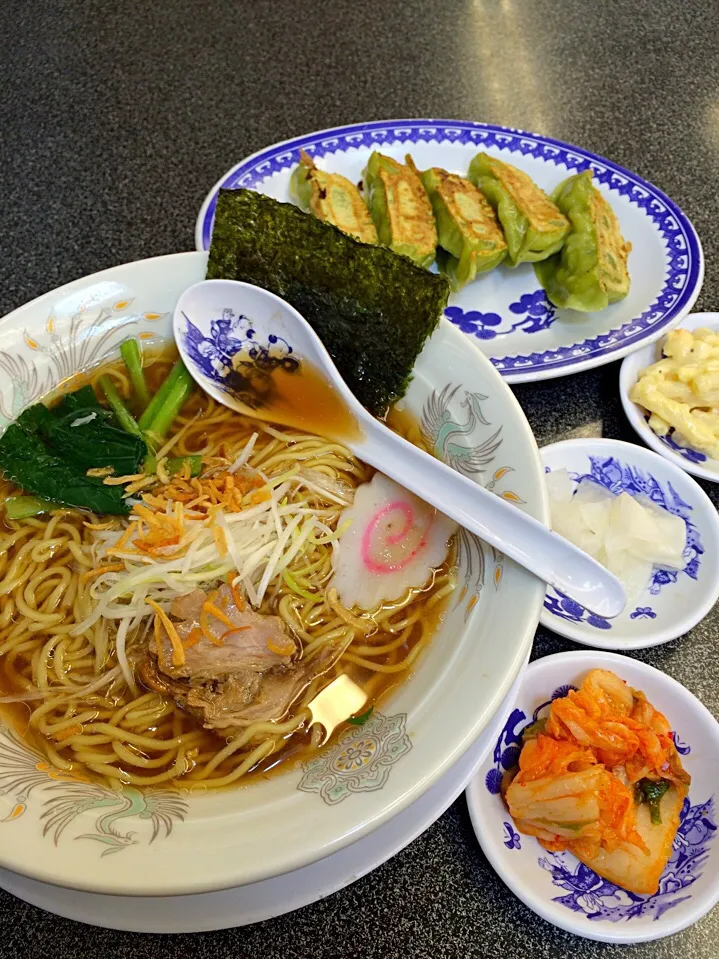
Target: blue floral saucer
x,y
557,886
673,601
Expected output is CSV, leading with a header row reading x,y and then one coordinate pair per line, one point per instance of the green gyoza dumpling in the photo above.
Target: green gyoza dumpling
x,y
533,226
466,226
400,209
590,272
331,198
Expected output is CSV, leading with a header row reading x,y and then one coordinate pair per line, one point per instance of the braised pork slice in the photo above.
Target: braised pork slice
x,y
276,692
243,639
248,672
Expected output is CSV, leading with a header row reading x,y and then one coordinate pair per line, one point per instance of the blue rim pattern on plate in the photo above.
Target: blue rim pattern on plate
x,y
684,268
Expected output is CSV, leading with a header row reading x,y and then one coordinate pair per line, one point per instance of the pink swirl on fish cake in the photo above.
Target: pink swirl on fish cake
x,y
368,548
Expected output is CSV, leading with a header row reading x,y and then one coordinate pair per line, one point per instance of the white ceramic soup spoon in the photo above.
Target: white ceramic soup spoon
x,y
218,321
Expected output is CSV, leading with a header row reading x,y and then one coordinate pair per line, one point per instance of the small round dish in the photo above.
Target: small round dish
x,y
556,885
674,600
691,460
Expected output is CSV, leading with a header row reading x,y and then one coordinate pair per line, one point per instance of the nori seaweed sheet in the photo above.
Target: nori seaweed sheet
x,y
372,309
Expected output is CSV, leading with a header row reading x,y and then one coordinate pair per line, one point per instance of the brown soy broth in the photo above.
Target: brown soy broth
x,y
321,410
298,396
298,749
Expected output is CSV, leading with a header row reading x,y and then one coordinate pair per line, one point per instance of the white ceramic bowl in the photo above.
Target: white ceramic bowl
x,y
555,885
691,460
174,842
674,601
269,898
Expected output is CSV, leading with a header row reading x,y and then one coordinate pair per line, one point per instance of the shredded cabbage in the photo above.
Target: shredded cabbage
x,y
261,541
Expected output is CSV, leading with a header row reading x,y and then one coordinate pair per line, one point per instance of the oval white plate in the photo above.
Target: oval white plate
x,y
506,312
674,601
271,897
174,842
556,886
699,464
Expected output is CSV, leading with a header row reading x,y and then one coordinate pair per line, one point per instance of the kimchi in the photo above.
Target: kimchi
x,y
601,778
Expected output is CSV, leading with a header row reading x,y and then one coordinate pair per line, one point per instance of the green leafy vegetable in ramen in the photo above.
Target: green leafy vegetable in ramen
x,y
48,452
64,453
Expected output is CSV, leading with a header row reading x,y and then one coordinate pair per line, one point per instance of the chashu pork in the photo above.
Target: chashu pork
x,y
253,674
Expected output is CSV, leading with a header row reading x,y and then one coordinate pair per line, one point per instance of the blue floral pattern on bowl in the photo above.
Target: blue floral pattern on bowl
x,y
565,607
643,612
231,334
615,476
535,309
583,890
683,257
588,893
693,456
513,840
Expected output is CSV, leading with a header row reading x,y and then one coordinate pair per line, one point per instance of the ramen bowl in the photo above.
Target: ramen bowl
x,y
176,839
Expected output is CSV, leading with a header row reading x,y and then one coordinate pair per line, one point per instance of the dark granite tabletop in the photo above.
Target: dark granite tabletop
x,y
115,118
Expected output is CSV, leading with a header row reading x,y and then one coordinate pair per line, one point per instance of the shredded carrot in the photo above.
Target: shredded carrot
x,y
147,514
215,640
157,527
194,638
64,734
218,534
281,650
235,629
178,650
124,539
209,607
153,546
158,502
237,598
92,573
140,484
222,489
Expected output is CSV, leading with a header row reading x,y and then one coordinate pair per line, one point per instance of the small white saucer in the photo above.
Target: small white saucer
x,y
272,897
674,601
555,885
687,459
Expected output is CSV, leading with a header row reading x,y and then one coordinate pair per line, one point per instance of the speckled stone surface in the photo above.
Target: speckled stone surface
x,y
114,121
